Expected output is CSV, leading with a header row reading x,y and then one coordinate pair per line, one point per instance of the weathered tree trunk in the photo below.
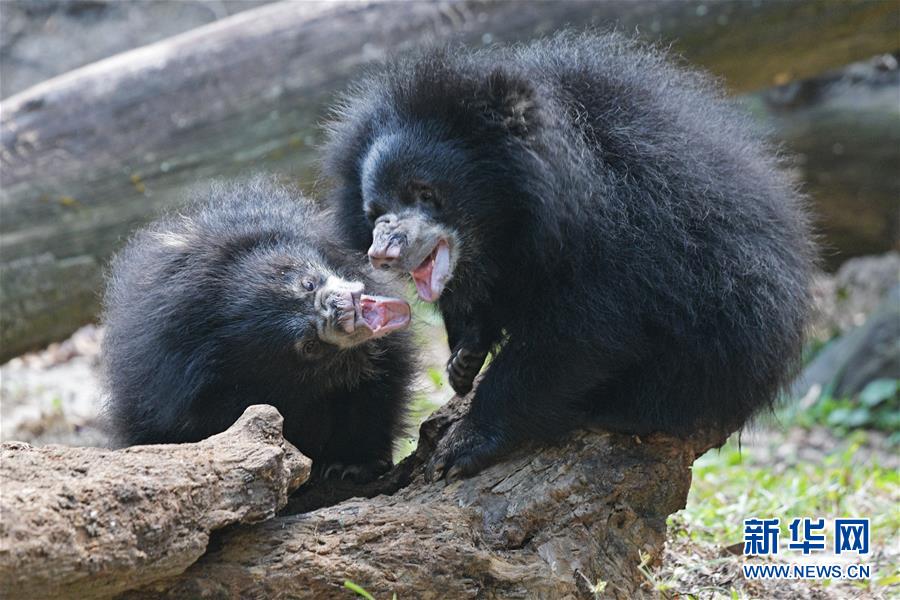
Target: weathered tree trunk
x,y
547,523
90,523
87,156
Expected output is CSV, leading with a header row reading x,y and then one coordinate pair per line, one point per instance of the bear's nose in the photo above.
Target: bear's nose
x,y
388,242
384,256
339,294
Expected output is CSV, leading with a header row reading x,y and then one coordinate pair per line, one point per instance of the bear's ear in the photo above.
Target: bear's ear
x,y
509,102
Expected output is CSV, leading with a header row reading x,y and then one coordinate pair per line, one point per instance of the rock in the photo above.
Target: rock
x,y
845,300
852,361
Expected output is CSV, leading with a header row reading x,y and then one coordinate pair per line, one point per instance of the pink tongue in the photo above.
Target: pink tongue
x,y
431,276
383,315
422,278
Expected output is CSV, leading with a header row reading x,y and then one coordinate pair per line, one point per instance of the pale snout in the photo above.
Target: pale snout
x,y
387,243
348,317
338,300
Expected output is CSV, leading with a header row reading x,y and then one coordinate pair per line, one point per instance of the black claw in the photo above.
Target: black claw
x,y
462,368
453,474
463,451
434,470
356,472
462,388
333,468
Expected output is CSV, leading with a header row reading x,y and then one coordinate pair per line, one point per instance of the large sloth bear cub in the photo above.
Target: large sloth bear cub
x,y
599,219
246,298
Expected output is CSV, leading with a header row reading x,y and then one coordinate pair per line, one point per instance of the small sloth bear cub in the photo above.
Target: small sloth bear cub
x,y
596,217
246,298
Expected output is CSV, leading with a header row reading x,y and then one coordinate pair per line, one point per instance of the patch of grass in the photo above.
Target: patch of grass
x,y
728,486
357,589
733,484
361,591
876,407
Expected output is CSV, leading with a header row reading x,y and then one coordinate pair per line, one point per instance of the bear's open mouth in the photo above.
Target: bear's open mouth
x,y
431,276
382,315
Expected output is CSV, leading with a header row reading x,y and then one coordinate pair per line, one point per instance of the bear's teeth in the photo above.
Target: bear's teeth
x,y
431,276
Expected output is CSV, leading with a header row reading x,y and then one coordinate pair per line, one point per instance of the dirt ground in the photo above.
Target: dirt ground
x,y
53,396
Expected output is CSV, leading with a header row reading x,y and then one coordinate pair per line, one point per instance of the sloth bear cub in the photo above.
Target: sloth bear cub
x,y
595,216
245,298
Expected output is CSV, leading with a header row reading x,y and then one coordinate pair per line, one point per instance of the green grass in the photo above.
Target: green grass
x,y
358,590
726,490
876,407
361,591
436,377
731,485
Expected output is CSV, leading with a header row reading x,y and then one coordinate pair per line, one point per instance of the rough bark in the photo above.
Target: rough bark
x,y
90,522
87,156
548,522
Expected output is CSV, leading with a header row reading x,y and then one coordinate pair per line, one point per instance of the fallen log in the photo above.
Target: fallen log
x,y
87,156
91,523
562,521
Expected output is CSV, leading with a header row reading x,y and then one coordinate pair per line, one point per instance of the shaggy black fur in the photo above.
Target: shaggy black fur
x,y
624,242
206,313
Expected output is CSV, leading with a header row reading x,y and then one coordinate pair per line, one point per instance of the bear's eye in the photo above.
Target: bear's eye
x,y
308,284
426,194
